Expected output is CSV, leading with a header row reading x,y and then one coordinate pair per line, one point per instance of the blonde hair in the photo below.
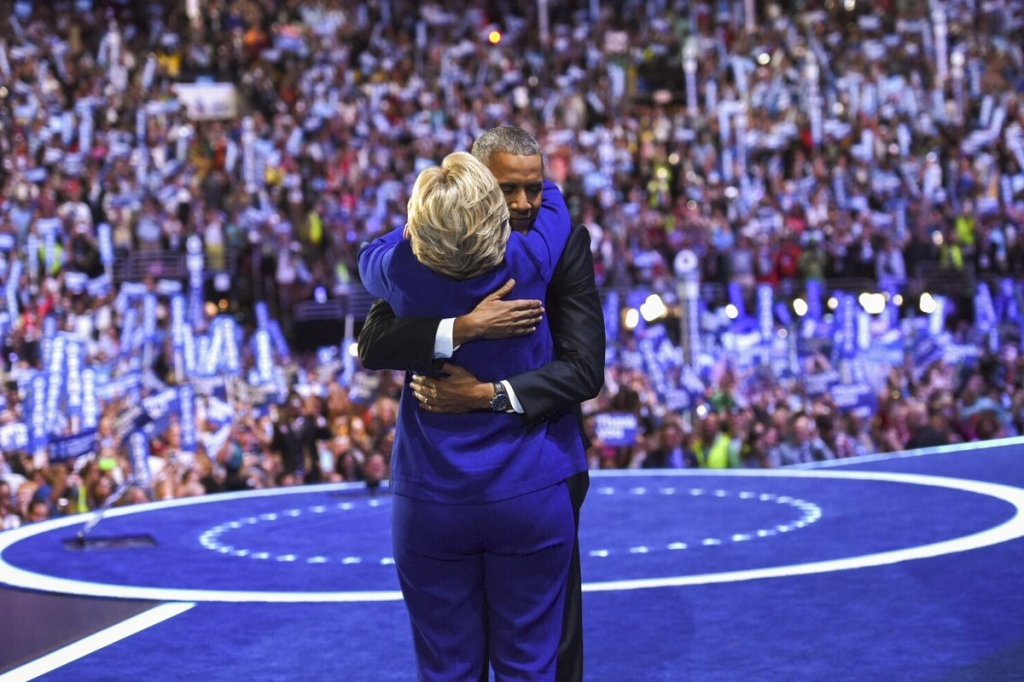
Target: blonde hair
x,y
457,218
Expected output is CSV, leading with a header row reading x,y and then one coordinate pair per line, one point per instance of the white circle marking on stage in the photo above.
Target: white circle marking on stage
x,y
1011,529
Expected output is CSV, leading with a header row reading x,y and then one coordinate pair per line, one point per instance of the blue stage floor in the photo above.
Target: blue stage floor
x,y
888,568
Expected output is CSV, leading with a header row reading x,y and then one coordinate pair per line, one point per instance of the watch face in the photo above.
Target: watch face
x,y
500,401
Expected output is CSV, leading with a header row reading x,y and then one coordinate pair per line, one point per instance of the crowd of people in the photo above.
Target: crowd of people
x,y
871,145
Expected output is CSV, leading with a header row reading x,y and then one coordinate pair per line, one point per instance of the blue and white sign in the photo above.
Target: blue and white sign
x,y
617,429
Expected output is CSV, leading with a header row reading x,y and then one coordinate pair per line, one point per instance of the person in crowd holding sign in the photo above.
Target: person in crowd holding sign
x,y
576,319
483,522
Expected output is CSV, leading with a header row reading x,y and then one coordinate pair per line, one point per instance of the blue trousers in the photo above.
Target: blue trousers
x,y
485,582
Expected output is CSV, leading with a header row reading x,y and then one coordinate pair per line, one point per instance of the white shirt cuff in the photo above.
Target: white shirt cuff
x,y
512,399
445,339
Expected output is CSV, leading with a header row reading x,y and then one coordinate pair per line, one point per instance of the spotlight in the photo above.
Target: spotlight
x,y
927,303
631,319
653,308
873,304
800,306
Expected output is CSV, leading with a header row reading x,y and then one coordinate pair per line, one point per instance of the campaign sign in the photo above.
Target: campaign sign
x,y
887,349
160,407
858,397
208,101
219,412
677,400
13,437
616,428
187,417
138,450
926,351
819,384
72,447
132,419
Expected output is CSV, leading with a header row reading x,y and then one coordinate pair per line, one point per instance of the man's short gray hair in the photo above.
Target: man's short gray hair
x,y
505,140
457,218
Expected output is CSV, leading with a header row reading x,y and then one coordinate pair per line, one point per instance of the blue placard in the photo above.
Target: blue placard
x,y
818,384
617,429
138,450
72,447
160,407
187,418
38,433
90,401
926,351
857,397
74,361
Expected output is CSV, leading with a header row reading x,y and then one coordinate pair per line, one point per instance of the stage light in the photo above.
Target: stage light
x,y
800,306
631,319
764,58
353,349
898,299
873,304
927,303
731,311
833,303
494,37
653,308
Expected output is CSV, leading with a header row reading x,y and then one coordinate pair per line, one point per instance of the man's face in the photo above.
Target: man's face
x,y
521,179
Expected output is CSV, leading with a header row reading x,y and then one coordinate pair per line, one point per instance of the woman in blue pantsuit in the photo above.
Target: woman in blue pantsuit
x,y
483,526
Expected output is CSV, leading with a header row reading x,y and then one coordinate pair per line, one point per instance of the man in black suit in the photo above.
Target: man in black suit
x,y
577,327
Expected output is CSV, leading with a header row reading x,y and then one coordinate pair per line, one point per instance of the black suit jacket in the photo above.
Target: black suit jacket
x,y
574,312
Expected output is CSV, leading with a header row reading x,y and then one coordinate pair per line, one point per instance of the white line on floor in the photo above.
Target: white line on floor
x,y
95,642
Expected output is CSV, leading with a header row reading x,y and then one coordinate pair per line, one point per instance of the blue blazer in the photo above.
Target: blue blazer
x,y
478,456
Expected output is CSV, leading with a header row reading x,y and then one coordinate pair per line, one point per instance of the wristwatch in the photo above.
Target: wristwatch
x,y
500,401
